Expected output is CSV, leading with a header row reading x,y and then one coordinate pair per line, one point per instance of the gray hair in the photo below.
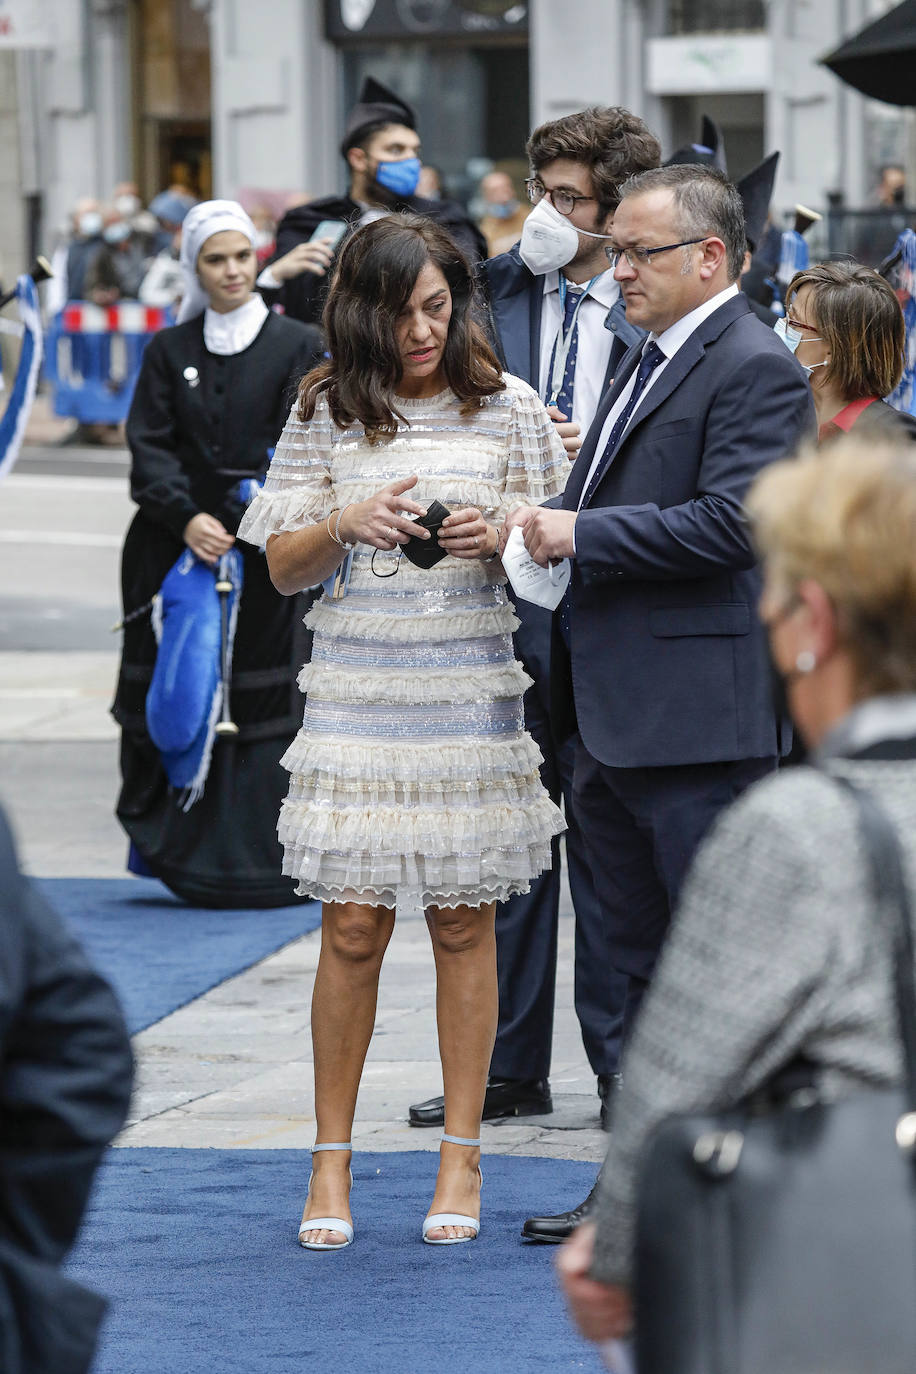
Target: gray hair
x,y
705,202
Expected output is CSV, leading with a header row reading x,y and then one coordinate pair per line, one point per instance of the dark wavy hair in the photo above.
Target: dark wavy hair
x,y
607,139
377,270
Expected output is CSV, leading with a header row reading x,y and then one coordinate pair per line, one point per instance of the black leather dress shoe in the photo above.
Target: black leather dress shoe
x,y
608,1085
504,1097
554,1230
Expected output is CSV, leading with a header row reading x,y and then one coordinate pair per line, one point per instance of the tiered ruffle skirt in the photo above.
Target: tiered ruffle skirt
x,y
412,775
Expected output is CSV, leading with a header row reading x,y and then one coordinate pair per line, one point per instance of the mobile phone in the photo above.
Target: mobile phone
x,y
333,229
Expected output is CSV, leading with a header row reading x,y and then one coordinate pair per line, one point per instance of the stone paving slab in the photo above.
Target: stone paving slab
x,y
44,697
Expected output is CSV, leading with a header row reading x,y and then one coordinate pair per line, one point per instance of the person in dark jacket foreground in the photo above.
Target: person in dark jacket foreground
x,y
381,147
65,1078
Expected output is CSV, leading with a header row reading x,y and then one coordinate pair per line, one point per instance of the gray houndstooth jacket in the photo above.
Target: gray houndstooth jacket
x,y
775,950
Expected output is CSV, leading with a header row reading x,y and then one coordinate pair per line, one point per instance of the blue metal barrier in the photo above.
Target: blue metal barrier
x,y
93,355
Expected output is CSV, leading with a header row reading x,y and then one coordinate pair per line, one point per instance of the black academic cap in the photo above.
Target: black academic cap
x,y
756,191
376,105
804,218
709,152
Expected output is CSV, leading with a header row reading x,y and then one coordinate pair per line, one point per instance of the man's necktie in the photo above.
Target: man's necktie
x,y
565,395
652,356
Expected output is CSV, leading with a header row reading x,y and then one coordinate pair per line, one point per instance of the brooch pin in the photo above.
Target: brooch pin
x,y
191,376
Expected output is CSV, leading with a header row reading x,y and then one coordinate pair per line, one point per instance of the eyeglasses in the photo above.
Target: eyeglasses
x,y
638,257
563,201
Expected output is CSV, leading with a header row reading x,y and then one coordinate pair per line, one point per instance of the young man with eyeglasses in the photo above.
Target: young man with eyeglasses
x,y
557,321
659,660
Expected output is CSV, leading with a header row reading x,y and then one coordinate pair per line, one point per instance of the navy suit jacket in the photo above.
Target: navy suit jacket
x,y
516,300
668,661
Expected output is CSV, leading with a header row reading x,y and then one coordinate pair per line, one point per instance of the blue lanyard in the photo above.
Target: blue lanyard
x,y
564,340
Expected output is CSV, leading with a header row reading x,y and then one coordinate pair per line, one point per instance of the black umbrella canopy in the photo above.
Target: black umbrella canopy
x,y
879,60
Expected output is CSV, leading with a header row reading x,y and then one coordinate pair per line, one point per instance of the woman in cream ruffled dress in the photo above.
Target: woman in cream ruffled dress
x,y
412,776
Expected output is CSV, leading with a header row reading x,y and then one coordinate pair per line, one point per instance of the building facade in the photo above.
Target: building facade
x,y
220,95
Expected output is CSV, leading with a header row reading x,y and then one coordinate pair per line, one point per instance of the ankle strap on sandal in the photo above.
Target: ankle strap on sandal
x,y
459,1140
336,1145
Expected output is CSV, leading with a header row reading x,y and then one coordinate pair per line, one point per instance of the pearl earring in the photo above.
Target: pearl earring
x,y
806,662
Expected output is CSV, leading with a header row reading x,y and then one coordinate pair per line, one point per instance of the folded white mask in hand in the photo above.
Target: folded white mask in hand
x,y
543,586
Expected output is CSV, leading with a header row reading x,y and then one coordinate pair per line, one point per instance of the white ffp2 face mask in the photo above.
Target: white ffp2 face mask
x,y
548,240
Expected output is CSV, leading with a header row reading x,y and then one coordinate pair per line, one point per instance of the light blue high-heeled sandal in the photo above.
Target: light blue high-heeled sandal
x,y
453,1218
327,1223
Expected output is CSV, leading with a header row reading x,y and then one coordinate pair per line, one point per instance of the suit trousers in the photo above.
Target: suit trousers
x,y
526,925
642,827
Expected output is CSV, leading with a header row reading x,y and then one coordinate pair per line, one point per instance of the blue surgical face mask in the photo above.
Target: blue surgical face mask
x,y
501,209
793,337
399,177
117,232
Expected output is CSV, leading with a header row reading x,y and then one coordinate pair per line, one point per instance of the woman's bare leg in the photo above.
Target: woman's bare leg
x,y
464,945
353,943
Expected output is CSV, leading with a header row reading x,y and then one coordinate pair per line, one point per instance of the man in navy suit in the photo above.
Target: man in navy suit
x,y
557,320
659,658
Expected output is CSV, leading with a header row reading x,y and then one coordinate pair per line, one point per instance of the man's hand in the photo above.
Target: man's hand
x,y
207,537
517,517
568,431
315,256
601,1311
549,535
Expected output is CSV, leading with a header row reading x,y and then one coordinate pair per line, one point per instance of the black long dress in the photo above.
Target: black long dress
x,y
199,423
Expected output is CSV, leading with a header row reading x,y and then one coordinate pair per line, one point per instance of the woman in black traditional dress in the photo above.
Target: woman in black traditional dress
x,y
211,400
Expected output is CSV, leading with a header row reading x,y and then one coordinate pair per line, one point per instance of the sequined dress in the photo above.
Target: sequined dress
x,y
412,775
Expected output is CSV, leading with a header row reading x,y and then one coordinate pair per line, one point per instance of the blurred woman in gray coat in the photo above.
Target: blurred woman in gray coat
x,y
774,951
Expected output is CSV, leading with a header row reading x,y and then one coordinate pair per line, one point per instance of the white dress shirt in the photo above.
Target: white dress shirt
x,y
669,341
595,342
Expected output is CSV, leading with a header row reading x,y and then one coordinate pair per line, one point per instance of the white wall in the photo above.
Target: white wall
x,y
274,98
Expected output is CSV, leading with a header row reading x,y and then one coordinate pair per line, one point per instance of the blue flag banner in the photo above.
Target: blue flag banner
x,y
904,278
793,257
22,392
195,631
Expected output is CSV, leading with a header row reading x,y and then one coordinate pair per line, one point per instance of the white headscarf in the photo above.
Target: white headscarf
x,y
201,223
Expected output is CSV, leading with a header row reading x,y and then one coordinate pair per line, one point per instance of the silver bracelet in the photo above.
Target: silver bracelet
x,y
495,554
335,533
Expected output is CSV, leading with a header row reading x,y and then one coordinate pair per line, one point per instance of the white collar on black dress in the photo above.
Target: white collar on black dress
x,y
235,330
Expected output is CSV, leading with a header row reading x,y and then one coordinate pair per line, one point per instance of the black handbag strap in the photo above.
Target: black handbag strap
x,y
890,890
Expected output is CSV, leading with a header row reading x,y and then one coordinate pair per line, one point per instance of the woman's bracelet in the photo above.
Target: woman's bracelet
x,y
495,554
335,532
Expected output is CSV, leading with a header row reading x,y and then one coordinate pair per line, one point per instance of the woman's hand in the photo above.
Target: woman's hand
x,y
207,537
315,256
379,520
465,534
602,1311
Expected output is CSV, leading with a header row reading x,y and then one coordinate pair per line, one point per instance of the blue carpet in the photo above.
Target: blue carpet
x,y
197,1251
159,954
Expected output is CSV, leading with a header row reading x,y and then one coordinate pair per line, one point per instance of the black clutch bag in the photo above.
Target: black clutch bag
x,y
426,553
785,1239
